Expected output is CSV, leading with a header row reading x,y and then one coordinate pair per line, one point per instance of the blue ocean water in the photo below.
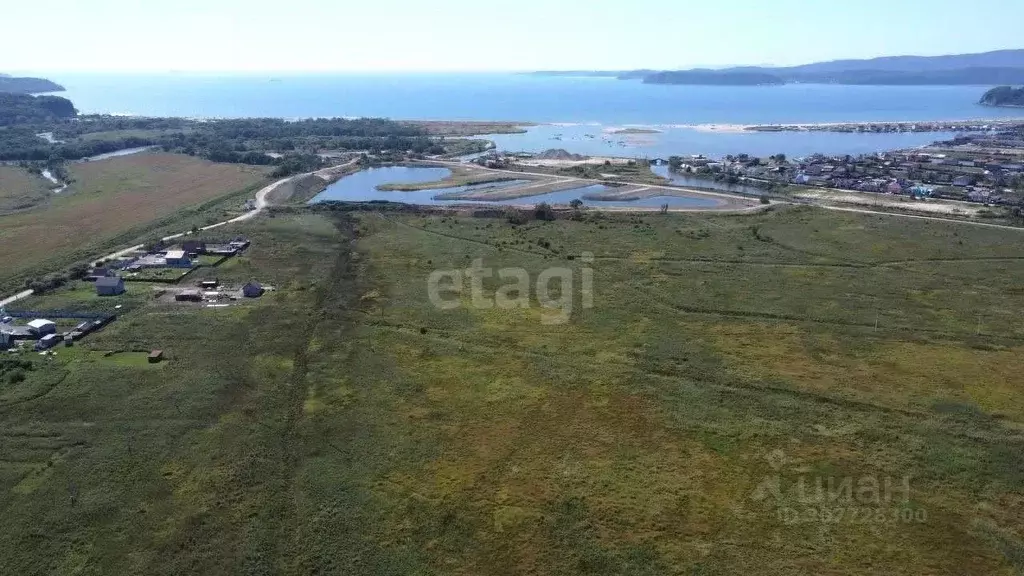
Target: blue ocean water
x,y
591,105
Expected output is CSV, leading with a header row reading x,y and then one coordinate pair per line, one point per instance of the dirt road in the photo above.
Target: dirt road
x,y
15,298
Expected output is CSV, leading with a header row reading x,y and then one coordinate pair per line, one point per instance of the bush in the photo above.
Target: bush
x,y
16,377
543,211
765,200
516,217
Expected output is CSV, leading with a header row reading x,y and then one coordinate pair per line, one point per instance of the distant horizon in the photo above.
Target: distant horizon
x,y
461,36
368,72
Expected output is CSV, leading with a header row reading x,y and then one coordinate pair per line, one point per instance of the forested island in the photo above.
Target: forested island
x,y
28,85
1004,96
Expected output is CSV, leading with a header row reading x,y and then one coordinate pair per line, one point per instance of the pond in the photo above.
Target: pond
x,y
117,153
680,179
362,187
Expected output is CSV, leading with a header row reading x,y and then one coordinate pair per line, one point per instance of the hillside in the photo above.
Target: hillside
x,y
28,85
997,59
1003,96
713,77
24,108
989,68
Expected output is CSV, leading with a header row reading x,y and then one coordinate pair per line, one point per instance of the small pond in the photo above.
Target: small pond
x,y
680,179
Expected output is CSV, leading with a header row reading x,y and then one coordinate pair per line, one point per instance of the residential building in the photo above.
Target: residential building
x,y
177,259
100,272
109,286
191,247
47,342
41,327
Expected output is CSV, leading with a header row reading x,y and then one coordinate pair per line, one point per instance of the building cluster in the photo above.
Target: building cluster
x,y
212,291
985,168
890,127
107,275
44,332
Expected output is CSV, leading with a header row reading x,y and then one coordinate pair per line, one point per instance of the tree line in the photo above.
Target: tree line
x,y
295,144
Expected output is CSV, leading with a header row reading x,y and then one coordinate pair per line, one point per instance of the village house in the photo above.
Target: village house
x,y
177,259
109,286
41,327
193,247
47,342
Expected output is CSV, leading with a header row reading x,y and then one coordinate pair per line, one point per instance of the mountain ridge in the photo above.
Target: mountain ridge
x,y
25,85
985,68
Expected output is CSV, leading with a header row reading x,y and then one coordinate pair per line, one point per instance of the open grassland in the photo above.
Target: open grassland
x,y
344,424
20,190
115,200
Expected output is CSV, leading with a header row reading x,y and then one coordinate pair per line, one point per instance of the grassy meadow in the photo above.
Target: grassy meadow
x,y
20,190
112,202
344,424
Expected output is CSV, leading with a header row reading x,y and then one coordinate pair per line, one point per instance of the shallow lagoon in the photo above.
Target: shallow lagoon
x,y
362,187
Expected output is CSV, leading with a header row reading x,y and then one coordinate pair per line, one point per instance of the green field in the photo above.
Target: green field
x,y
344,424
113,203
20,190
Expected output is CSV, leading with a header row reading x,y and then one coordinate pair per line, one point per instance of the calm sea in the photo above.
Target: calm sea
x,y
591,106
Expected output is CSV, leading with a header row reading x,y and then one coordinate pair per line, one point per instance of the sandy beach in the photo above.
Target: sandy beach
x,y
940,125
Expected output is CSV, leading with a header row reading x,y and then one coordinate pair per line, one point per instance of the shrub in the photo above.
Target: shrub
x,y
516,217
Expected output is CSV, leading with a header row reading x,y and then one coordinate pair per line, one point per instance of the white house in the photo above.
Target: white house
x,y
41,327
177,259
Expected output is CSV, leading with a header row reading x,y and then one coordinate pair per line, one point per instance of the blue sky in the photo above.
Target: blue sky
x,y
469,35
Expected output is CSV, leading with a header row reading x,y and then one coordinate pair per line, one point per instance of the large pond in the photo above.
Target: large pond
x,y
362,187
681,179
